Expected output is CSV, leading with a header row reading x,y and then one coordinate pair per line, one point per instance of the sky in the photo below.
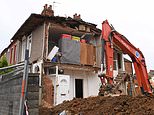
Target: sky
x,y
132,18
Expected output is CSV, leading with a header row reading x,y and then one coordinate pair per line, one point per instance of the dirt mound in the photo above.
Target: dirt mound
x,y
140,105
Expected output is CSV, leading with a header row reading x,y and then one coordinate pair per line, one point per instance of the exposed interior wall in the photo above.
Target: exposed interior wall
x,y
98,52
128,67
56,31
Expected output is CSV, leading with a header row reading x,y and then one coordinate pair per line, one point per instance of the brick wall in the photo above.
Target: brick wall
x,y
10,90
128,67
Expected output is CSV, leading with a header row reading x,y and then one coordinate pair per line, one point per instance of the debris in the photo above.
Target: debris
x,y
107,105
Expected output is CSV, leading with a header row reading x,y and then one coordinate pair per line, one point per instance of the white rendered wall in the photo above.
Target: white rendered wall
x,y
91,82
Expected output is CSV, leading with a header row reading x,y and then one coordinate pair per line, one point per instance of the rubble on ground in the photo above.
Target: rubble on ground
x,y
106,105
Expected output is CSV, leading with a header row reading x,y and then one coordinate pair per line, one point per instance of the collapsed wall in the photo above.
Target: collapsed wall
x,y
10,93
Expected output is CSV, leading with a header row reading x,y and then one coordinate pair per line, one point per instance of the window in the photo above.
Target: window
x,y
114,64
119,60
26,44
29,43
23,49
114,60
11,55
14,57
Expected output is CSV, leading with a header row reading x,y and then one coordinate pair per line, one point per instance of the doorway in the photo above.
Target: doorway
x,y
79,88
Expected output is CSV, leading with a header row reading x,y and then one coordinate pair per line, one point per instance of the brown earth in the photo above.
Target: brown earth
x,y
120,105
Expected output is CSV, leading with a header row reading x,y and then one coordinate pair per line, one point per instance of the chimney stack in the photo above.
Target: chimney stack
x,y
77,17
47,11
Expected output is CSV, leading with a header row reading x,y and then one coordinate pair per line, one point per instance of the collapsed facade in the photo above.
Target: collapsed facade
x,y
73,71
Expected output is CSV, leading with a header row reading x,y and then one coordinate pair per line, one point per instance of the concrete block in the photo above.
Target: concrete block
x,y
33,88
33,104
34,111
33,96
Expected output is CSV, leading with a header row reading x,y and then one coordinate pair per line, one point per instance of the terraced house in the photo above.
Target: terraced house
x,y
66,51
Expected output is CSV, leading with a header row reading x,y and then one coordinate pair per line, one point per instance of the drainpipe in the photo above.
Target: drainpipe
x,y
55,86
40,83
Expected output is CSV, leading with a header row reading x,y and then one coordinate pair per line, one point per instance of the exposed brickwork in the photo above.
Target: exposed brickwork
x,y
47,11
48,92
77,17
128,67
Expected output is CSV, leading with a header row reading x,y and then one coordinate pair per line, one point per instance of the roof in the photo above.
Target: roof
x,y
126,60
30,24
36,19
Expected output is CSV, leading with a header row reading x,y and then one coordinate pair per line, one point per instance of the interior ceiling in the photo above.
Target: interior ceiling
x,y
65,30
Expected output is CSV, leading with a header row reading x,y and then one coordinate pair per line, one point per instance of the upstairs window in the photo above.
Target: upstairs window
x,y
23,49
29,43
26,44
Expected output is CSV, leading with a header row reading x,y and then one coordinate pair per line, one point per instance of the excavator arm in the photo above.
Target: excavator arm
x,y
112,37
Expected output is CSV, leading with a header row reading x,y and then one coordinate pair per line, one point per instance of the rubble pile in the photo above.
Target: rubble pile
x,y
106,105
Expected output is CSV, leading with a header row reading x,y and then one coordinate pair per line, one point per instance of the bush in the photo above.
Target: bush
x,y
4,63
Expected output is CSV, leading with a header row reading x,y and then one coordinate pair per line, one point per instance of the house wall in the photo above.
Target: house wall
x,y
12,53
91,83
8,55
37,43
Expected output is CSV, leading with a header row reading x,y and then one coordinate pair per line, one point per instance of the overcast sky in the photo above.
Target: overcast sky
x,y
132,18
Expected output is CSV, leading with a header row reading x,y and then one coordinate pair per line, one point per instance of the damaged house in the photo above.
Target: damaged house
x,y
65,51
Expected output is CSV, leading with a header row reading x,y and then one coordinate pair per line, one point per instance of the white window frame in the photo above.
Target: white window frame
x,y
29,43
23,48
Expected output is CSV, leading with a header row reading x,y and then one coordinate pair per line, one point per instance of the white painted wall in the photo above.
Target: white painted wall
x,y
94,84
91,82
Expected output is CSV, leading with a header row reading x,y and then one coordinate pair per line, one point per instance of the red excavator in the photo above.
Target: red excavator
x,y
110,38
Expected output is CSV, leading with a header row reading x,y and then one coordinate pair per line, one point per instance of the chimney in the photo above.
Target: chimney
x,y
77,17
47,11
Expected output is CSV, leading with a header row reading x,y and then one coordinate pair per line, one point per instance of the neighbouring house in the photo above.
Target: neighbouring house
x,y
73,71
151,75
128,66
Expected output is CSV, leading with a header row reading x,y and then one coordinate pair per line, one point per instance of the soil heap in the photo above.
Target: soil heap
x,y
119,105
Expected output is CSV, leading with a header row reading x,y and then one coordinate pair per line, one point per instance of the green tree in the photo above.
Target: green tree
x,y
4,63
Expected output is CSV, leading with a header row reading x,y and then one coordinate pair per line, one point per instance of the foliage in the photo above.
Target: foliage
x,y
150,76
4,63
